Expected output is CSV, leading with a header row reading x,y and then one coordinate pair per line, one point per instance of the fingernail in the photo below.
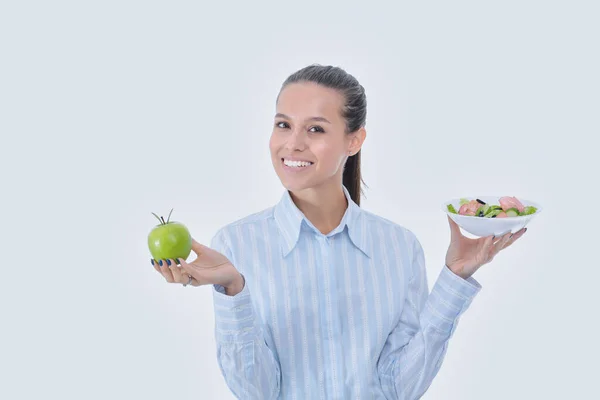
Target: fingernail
x,y
152,261
525,230
160,262
168,262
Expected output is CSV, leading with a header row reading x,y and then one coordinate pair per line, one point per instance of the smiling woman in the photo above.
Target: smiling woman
x,y
315,297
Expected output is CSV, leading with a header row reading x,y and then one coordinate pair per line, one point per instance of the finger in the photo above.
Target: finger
x,y
178,275
166,271
499,244
516,236
500,238
454,228
488,243
157,268
187,269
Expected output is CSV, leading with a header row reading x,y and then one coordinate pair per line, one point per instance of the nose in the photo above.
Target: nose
x,y
295,141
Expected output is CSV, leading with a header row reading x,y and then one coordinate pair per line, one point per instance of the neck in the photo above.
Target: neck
x,y
323,206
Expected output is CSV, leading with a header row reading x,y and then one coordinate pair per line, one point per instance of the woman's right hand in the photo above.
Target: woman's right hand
x,y
209,267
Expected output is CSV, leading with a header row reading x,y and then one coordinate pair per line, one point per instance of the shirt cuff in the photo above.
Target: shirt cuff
x,y
235,320
449,299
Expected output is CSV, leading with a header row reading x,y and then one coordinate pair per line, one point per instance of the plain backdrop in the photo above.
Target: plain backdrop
x,y
112,110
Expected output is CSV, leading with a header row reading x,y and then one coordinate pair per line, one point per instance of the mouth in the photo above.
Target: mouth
x,y
296,164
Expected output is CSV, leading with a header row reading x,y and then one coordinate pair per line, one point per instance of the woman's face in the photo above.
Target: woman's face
x,y
309,145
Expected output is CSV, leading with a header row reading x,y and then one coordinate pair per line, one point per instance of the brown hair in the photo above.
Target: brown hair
x,y
354,112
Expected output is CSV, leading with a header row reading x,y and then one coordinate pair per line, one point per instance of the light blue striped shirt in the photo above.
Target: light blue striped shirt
x,y
346,315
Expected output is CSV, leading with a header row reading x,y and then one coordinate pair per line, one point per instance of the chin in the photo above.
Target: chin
x,y
294,186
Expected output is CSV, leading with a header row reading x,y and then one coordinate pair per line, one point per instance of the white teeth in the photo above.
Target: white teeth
x,y
296,163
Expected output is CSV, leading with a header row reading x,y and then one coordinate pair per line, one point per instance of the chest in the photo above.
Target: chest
x,y
326,289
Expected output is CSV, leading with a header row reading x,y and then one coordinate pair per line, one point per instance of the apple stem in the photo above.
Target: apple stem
x,y
169,217
157,218
163,220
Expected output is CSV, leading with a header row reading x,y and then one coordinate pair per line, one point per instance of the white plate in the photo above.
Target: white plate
x,y
479,226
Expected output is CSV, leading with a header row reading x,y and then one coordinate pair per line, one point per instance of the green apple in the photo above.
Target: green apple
x,y
169,240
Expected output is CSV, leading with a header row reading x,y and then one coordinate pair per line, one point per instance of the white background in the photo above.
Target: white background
x,y
111,110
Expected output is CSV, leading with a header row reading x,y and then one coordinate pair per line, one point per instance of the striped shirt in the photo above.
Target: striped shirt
x,y
343,315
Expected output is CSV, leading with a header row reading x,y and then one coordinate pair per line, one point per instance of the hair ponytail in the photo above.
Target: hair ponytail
x,y
352,179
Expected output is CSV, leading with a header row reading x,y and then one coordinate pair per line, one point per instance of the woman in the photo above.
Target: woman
x,y
316,298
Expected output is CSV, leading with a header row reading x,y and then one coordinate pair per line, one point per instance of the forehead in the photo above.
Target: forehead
x,y
307,99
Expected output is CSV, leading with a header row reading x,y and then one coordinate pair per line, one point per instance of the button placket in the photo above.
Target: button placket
x,y
323,319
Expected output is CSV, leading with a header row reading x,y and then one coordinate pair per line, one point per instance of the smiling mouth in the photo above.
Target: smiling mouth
x,y
296,164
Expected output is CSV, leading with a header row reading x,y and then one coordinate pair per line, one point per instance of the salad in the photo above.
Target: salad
x,y
509,206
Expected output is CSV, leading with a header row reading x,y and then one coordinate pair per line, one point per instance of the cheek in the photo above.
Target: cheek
x,y
330,156
273,145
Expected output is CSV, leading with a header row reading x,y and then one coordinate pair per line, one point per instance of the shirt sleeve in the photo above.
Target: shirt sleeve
x,y
246,362
415,349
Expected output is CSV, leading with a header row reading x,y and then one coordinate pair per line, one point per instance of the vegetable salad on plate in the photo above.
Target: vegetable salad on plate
x,y
508,206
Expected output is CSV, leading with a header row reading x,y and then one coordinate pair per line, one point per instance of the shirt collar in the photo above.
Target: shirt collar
x,y
290,220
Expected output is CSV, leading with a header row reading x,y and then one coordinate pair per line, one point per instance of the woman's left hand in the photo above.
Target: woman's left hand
x,y
466,255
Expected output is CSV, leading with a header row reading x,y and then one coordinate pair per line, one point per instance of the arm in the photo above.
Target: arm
x,y
247,364
415,349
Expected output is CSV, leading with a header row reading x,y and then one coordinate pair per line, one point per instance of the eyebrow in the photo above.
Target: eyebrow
x,y
321,119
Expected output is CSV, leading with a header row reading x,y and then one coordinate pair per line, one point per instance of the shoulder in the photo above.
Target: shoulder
x,y
376,223
400,237
225,233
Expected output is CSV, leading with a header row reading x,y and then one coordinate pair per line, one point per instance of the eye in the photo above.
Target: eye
x,y
319,129
278,124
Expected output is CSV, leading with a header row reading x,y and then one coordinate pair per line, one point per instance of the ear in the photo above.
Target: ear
x,y
356,140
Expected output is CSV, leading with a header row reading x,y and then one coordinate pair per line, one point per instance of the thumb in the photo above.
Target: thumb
x,y
454,228
197,247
